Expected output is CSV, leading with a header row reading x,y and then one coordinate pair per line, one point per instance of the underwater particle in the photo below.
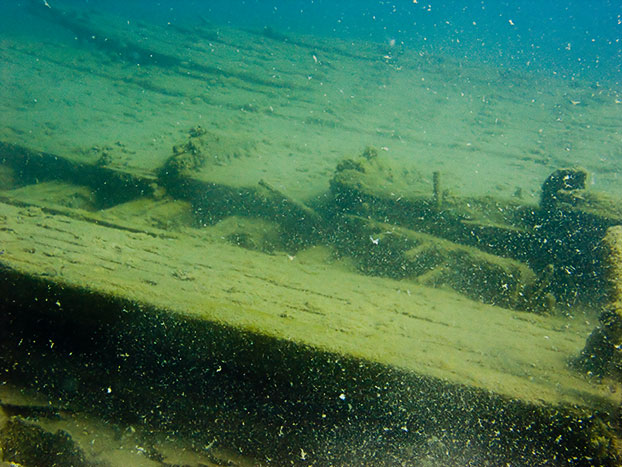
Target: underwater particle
x,y
342,396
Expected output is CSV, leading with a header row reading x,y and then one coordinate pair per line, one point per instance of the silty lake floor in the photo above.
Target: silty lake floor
x,y
287,109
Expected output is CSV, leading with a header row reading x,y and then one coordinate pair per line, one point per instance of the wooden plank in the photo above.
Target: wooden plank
x,y
428,332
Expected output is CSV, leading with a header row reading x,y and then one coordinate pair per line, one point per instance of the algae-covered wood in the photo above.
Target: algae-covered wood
x,y
309,301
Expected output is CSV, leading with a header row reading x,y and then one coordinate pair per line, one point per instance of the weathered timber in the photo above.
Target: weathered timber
x,y
26,443
371,187
211,202
571,224
205,279
557,239
397,252
109,186
202,318
602,354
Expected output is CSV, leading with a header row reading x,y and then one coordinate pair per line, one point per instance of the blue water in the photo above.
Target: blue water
x,y
576,38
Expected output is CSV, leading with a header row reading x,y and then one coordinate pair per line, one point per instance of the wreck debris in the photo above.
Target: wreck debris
x,y
602,354
564,186
555,241
386,250
27,443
